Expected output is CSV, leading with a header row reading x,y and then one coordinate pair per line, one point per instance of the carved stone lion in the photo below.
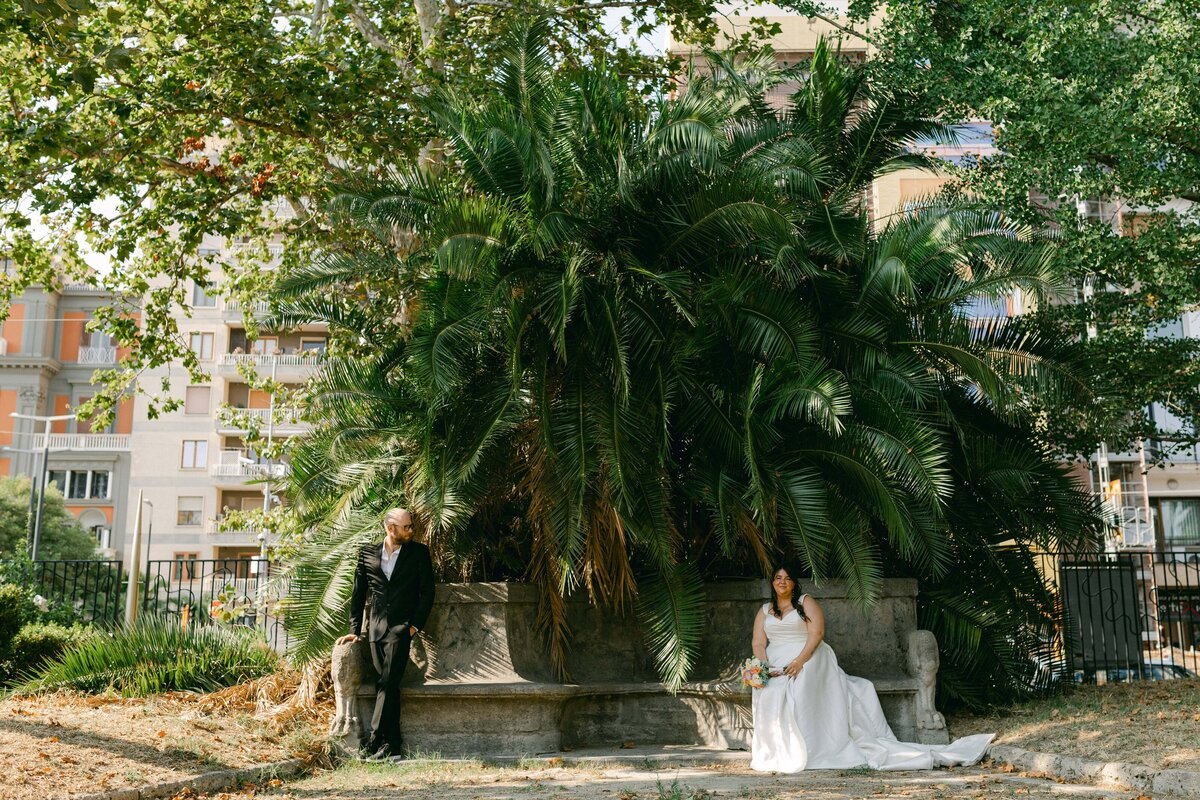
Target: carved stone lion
x,y
923,665
350,667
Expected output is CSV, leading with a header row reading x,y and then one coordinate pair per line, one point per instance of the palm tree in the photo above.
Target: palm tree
x,y
640,333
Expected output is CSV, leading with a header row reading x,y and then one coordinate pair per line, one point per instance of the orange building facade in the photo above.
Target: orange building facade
x,y
47,357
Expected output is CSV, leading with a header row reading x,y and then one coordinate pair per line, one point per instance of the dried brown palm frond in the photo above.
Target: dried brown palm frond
x,y
546,572
607,571
280,698
752,535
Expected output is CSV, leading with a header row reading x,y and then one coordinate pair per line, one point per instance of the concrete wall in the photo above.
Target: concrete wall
x,y
480,681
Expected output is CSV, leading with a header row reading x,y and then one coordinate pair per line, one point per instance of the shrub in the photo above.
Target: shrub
x,y
158,656
38,643
16,609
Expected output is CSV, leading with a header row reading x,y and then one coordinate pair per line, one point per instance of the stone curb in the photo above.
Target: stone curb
x,y
202,783
1116,774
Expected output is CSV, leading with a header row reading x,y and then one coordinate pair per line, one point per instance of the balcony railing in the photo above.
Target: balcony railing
x,y
97,355
246,536
236,464
284,418
309,359
259,306
89,441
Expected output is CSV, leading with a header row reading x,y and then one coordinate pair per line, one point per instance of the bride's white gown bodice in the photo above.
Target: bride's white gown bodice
x,y
826,719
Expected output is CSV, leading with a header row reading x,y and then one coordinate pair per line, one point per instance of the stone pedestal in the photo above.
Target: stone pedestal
x,y
481,684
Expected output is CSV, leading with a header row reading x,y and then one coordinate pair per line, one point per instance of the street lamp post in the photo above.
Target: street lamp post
x,y
149,532
41,478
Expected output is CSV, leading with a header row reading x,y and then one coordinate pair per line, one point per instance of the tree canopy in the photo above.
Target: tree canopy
x,y
62,536
1089,101
650,342
141,128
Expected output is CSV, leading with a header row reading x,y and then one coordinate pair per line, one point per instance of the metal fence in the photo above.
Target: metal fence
x,y
93,591
1131,615
230,591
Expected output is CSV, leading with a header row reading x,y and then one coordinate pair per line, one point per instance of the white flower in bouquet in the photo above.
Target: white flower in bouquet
x,y
755,673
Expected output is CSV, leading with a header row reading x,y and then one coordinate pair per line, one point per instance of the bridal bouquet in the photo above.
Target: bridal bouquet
x,y
754,673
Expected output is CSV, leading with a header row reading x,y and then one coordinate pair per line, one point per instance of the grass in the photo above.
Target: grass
x,y
680,791
1154,723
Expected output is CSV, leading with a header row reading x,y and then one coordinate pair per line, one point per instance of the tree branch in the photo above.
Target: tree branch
x,y
845,28
375,37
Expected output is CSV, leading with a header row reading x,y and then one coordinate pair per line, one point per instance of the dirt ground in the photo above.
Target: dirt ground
x,y
1156,723
59,744
474,781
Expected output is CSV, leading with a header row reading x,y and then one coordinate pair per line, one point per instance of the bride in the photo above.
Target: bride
x,y
811,715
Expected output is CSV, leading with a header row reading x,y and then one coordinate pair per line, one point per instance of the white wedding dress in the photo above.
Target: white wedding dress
x,y
826,719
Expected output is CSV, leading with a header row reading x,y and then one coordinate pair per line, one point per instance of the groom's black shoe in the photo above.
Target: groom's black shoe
x,y
381,753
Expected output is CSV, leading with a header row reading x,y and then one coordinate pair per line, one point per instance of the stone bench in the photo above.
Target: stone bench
x,y
480,683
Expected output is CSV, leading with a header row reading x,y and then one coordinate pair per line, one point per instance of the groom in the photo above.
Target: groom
x,y
398,575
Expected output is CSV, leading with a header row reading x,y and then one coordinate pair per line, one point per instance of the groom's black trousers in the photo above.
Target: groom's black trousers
x,y
390,655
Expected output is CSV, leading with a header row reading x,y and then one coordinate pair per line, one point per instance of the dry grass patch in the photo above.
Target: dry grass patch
x,y
62,744
1156,723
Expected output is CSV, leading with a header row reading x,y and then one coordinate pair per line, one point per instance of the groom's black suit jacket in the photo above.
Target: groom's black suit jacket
x,y
406,598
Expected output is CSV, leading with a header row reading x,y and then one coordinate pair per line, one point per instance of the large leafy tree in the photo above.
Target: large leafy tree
x,y
1090,101
649,338
62,536
138,128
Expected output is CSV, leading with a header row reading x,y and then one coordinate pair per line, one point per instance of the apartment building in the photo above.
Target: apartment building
x,y
47,357
189,466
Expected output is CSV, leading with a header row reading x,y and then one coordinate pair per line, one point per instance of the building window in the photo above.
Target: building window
x,y
185,566
103,536
200,296
97,339
202,345
190,511
81,484
99,486
195,454
1180,521
196,400
312,346
265,346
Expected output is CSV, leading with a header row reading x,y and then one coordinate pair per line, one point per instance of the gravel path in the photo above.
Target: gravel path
x,y
472,781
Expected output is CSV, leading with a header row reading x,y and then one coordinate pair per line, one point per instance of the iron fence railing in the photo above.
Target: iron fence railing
x,y
93,591
230,591
1127,615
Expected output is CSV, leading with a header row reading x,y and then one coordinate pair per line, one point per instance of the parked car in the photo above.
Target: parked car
x,y
1153,671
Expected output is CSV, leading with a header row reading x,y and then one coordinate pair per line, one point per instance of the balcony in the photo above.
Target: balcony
x,y
308,359
97,355
233,310
247,536
89,441
236,464
285,421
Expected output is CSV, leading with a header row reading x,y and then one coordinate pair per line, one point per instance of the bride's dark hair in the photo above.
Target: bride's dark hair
x,y
791,573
